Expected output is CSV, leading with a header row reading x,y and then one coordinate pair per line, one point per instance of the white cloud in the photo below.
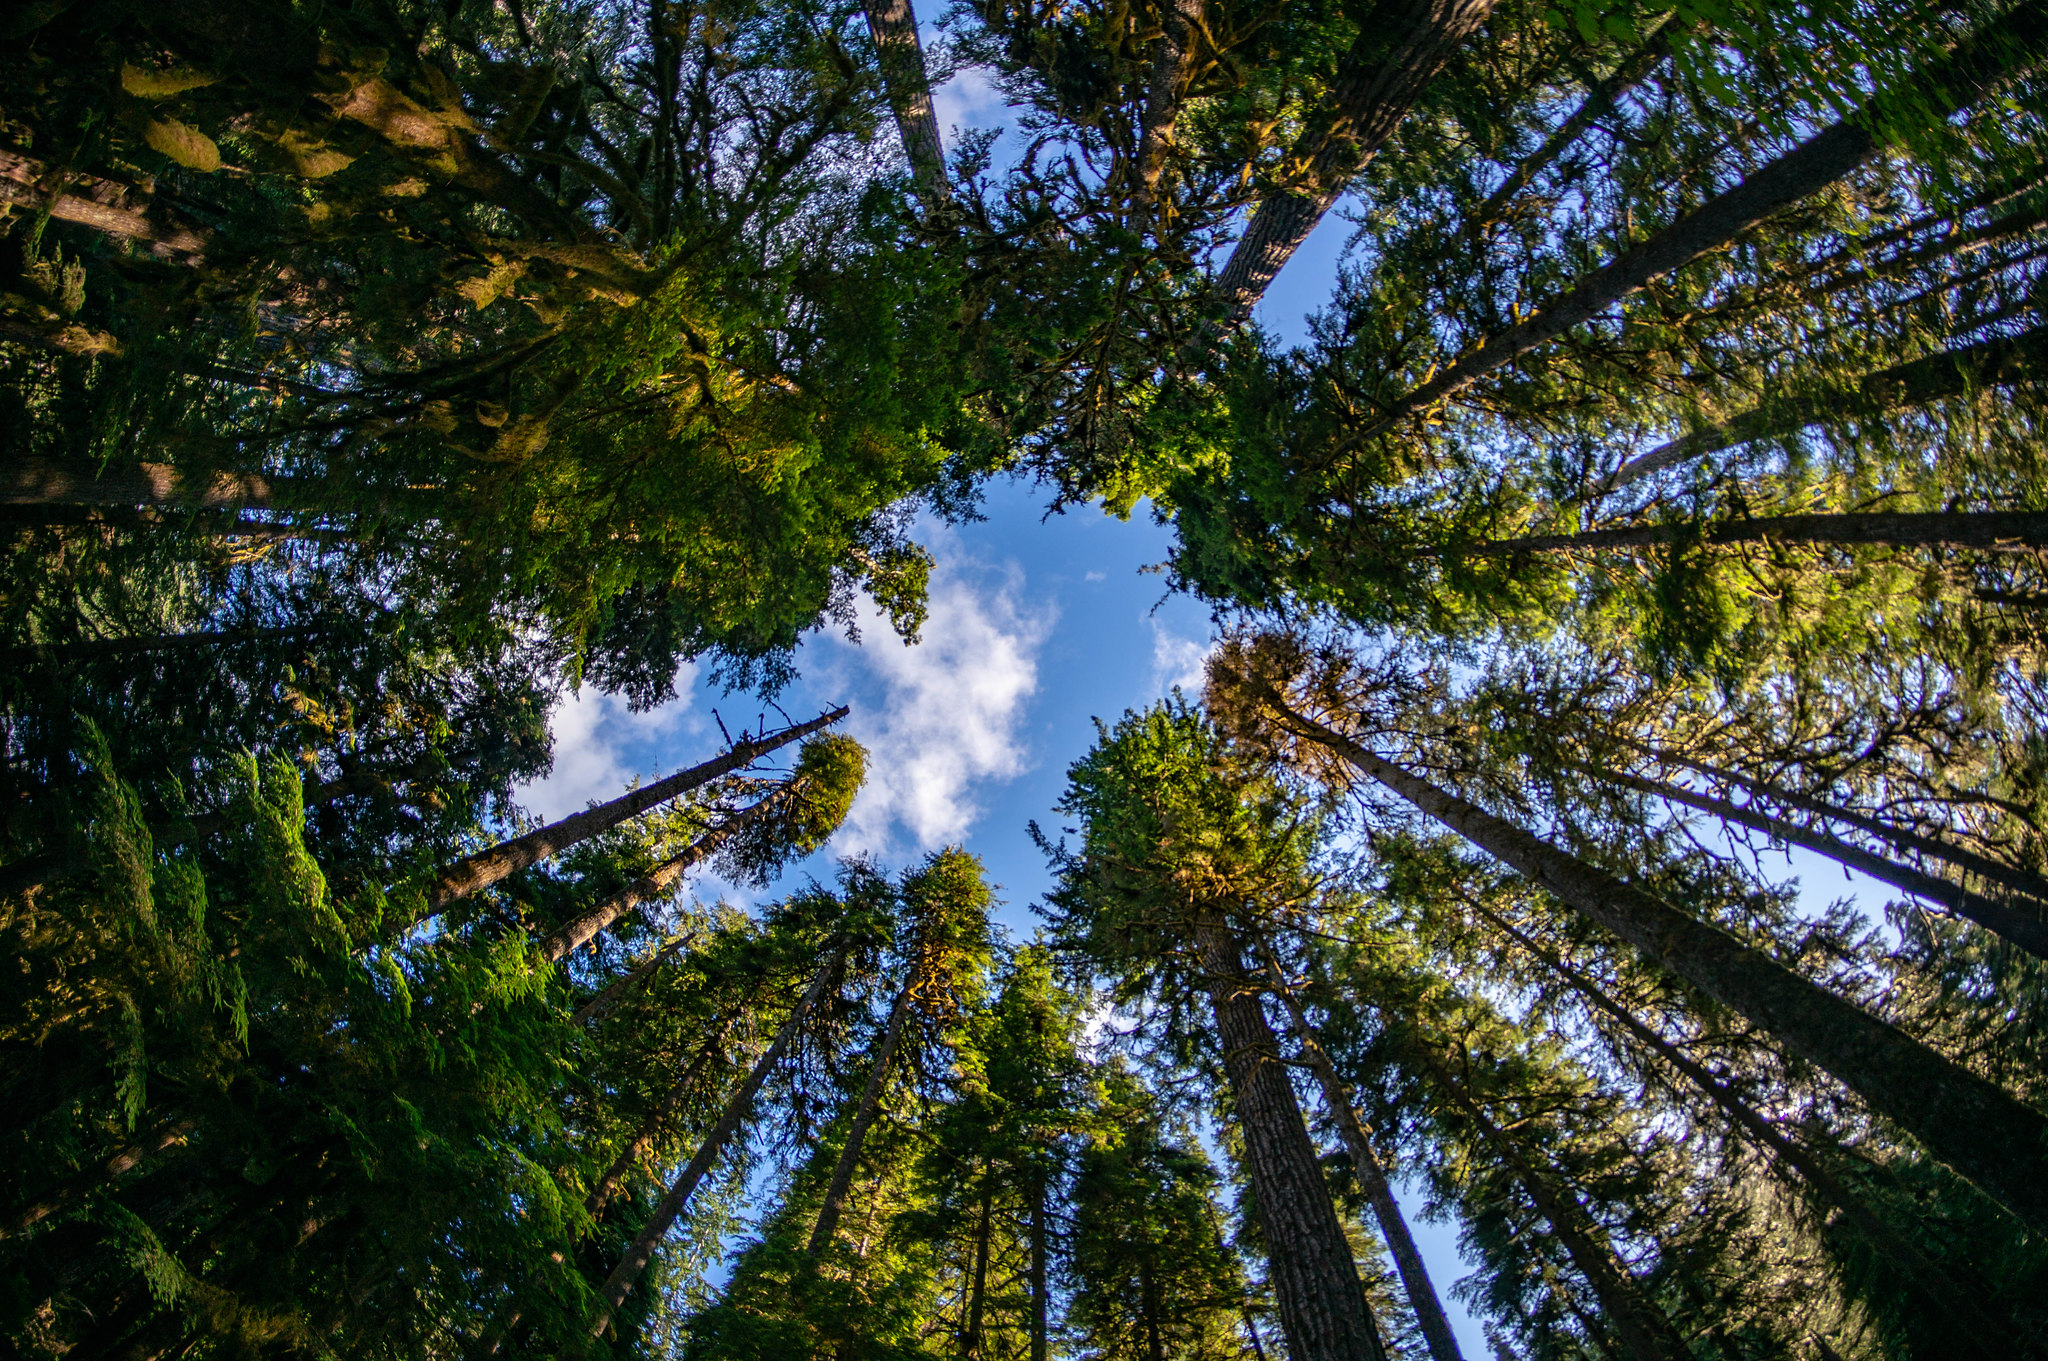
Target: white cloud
x,y
600,745
1177,660
1096,576
969,100
949,712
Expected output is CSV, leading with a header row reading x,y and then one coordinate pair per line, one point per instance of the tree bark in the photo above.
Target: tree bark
x,y
1969,70
893,24
1641,1326
2027,930
1173,62
1937,1289
857,1131
1148,1303
1372,1178
1322,1305
579,931
1365,108
971,1341
159,642
634,1264
2003,361
1041,1312
37,482
91,1179
487,867
104,206
1987,1136
600,1006
1984,529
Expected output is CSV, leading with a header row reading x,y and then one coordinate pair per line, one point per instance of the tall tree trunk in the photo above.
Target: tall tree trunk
x,y
857,1132
1988,529
1599,99
38,482
487,867
1322,1305
2002,361
1173,62
1365,108
1041,1306
1372,1178
2026,929
1636,1320
1973,67
977,1299
169,1135
1904,838
634,1264
159,642
1982,1132
600,1006
118,210
1937,1289
893,24
1148,1305
579,931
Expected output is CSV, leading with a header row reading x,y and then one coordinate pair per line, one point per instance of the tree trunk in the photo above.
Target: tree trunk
x,y
1041,1311
1599,100
487,867
1905,838
1968,71
116,210
85,1182
600,1006
1372,1178
634,1264
1148,1304
2027,930
579,931
1366,106
1638,1322
971,1341
37,482
893,25
1173,63
2002,361
160,642
857,1132
1979,1130
1984,529
1939,1292
1322,1305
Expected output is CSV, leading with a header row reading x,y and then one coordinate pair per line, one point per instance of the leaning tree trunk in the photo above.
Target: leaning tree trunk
x,y
1641,1325
1920,1273
2025,929
1999,362
1990,529
1323,1309
1366,107
1987,1136
488,867
1965,74
601,1006
857,1132
1372,1178
641,1252
893,24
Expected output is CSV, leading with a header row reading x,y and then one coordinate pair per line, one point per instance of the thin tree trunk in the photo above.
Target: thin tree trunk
x,y
857,1132
1148,1302
158,642
37,482
91,1179
1372,1178
1365,109
1041,1311
579,931
600,1006
2002,361
1173,63
1986,529
976,1301
1969,70
1983,866
487,867
893,24
101,205
1323,1308
1937,1289
634,1264
2028,931
1640,1324
1987,1136
1601,98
